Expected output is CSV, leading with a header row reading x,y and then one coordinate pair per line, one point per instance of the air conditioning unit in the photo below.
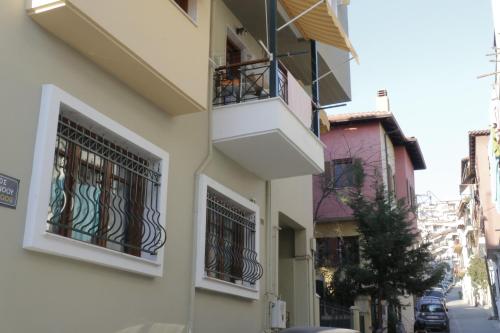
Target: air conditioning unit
x,y
278,314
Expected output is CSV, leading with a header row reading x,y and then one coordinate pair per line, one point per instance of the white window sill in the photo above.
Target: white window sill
x,y
75,249
229,288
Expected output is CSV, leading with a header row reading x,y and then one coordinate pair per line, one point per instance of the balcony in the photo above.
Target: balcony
x,y
270,137
138,44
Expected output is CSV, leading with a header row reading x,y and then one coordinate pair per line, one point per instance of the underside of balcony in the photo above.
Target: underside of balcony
x,y
79,26
267,138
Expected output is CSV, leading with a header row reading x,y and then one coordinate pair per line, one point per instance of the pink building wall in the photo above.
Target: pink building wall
x,y
490,216
361,141
405,179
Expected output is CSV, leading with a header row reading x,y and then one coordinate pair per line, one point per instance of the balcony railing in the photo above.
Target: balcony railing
x,y
246,81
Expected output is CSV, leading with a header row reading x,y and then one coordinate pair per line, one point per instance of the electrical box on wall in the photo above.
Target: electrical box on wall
x,y
312,242
278,314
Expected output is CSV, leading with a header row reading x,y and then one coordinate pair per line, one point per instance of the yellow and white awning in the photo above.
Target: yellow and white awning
x,y
324,122
318,22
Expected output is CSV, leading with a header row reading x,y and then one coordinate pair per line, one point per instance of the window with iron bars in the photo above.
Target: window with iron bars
x,y
230,243
104,194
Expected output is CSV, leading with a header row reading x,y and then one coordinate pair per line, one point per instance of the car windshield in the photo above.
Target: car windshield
x,y
434,293
431,308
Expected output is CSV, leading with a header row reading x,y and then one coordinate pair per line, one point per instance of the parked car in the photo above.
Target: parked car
x,y
435,293
432,316
318,329
427,299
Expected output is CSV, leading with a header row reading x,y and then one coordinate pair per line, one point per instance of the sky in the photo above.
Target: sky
x,y
427,54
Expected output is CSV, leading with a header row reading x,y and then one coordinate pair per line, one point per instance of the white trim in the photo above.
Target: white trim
x,y
202,280
36,237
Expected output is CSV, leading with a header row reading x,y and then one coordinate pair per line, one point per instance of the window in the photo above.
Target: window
x,y
435,308
336,251
342,172
102,193
228,242
188,7
184,4
98,190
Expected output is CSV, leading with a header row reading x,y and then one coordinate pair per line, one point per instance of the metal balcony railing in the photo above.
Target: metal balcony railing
x,y
104,194
230,252
246,81
335,316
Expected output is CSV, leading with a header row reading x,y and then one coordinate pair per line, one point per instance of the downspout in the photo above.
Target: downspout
x,y
197,174
270,294
272,36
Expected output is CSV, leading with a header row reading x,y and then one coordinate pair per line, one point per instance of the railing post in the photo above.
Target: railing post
x,y
272,47
315,88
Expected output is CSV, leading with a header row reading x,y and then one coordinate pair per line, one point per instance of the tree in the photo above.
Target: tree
x,y
393,263
365,163
477,271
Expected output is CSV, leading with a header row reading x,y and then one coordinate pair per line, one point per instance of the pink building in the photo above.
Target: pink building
x,y
388,158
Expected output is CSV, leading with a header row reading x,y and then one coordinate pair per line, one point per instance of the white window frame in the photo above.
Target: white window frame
x,y
36,236
202,280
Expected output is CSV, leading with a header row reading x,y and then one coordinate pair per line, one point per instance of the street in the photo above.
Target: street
x,y
468,319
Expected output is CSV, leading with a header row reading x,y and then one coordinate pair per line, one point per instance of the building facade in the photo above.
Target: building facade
x,y
388,158
158,176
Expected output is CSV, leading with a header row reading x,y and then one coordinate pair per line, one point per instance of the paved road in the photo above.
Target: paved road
x,y
469,319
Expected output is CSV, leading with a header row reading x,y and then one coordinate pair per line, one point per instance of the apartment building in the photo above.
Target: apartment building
x,y
387,157
438,224
481,217
471,240
158,159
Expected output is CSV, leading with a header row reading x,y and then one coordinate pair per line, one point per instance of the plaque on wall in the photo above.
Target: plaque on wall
x,y
9,188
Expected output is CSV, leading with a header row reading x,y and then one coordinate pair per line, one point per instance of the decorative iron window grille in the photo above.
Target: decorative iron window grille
x,y
247,81
103,194
230,253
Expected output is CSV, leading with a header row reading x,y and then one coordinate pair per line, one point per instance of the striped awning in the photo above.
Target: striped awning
x,y
324,122
320,24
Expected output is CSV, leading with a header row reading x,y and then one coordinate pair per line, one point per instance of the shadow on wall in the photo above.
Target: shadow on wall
x,y
154,328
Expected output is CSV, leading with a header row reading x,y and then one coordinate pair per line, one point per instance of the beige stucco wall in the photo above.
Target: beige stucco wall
x,y
46,294
59,295
162,36
292,208
225,22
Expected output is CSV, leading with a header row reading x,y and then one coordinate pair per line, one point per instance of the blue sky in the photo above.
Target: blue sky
x,y
427,54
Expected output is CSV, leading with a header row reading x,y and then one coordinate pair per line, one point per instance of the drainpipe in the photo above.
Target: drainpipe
x,y
315,89
270,290
272,37
198,172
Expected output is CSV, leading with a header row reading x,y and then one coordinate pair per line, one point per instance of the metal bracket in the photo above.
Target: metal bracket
x,y
301,14
269,54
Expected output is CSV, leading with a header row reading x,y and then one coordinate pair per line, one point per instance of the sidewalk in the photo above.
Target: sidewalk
x,y
469,319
